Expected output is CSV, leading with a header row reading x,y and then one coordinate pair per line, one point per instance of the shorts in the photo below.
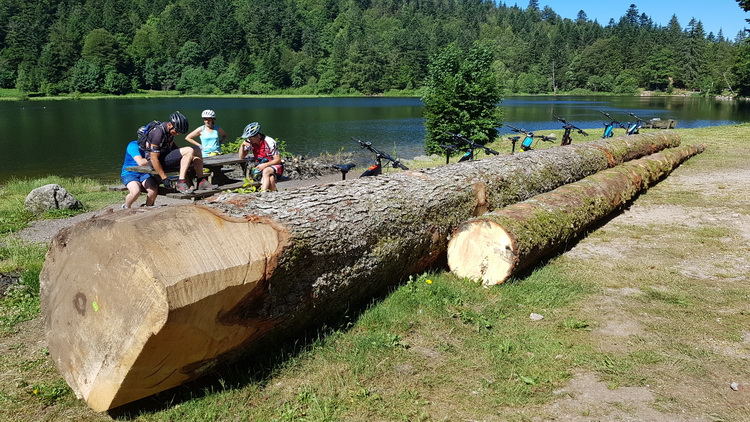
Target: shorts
x,y
279,169
138,177
171,161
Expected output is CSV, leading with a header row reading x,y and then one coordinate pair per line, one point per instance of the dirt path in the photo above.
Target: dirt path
x,y
672,304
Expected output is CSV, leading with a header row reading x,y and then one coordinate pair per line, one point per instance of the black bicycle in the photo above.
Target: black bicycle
x,y
528,139
469,155
569,127
377,167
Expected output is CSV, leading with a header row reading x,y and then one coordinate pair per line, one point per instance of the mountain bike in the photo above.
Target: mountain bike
x,y
528,139
377,167
569,127
609,126
635,127
469,155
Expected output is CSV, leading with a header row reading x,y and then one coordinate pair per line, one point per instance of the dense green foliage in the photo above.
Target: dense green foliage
x,y
461,96
346,46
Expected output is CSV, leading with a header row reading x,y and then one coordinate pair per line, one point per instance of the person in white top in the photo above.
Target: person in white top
x,y
211,135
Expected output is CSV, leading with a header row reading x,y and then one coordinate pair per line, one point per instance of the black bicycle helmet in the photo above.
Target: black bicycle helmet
x,y
179,122
251,130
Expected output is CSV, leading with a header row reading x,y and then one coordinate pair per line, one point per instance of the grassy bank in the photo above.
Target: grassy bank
x,y
16,95
652,306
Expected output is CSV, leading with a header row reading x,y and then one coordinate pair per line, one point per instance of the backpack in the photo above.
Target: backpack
x,y
143,132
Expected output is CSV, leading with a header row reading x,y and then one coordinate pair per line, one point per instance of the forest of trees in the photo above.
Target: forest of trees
x,y
349,46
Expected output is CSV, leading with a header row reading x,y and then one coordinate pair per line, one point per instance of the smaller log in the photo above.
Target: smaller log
x,y
496,245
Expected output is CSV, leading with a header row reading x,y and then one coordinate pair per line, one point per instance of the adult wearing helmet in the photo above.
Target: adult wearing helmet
x,y
263,151
164,155
211,136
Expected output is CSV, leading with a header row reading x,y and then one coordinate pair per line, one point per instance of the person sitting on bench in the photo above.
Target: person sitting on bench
x,y
164,154
135,181
266,155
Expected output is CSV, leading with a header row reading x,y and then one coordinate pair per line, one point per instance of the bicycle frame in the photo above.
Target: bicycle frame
x,y
635,127
567,139
377,167
373,170
609,127
469,155
528,139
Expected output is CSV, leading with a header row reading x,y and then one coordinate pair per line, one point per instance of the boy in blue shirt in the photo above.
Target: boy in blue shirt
x,y
137,182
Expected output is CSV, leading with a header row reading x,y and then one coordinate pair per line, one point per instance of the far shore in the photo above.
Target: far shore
x,y
15,95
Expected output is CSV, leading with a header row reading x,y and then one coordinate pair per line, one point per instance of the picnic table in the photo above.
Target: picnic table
x,y
215,173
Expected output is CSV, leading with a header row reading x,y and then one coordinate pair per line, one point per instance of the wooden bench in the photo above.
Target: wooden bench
x,y
216,174
203,193
196,194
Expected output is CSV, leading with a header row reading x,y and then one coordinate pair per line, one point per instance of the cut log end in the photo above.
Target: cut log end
x,y
482,250
128,322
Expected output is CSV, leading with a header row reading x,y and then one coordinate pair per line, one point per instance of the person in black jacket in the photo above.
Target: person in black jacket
x,y
164,155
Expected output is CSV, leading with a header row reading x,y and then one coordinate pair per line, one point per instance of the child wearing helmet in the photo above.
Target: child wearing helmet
x,y
134,181
262,150
211,135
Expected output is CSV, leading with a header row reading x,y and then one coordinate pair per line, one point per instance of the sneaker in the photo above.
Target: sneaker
x,y
183,187
205,185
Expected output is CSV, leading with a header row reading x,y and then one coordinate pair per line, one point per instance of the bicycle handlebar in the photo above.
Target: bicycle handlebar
x,y
571,126
612,119
471,144
517,130
545,138
380,154
636,117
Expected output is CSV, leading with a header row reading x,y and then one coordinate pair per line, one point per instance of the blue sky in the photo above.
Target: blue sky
x,y
715,14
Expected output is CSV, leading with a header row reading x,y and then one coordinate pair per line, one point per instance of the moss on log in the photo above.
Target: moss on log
x,y
494,246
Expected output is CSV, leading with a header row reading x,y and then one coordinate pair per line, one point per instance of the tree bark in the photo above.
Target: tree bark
x,y
139,301
496,245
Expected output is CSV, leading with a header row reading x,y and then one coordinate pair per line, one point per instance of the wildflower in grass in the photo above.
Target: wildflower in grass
x,y
428,281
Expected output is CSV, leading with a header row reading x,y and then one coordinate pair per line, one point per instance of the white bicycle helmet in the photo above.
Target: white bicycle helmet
x,y
208,114
251,130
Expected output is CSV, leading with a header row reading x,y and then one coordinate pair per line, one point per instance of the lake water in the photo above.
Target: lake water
x,y
88,137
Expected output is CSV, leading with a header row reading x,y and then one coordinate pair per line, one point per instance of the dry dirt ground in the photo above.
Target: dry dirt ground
x,y
651,233
621,321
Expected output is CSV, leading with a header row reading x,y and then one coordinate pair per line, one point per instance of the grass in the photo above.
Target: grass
x,y
14,217
24,260
483,351
441,348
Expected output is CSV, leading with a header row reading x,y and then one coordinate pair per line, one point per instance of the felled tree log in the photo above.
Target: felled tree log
x,y
143,300
496,245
